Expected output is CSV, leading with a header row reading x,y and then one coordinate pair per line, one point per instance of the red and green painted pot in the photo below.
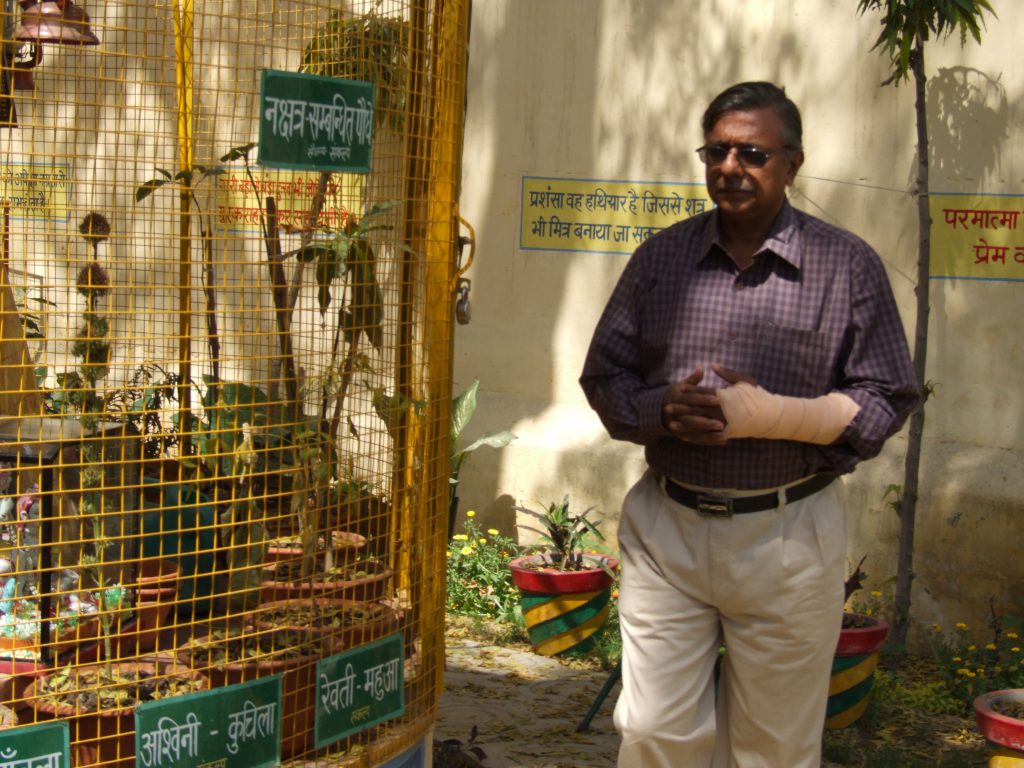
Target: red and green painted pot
x,y
853,669
564,610
1003,732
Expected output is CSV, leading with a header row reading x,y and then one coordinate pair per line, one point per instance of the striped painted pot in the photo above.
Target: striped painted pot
x,y
564,610
853,670
1005,734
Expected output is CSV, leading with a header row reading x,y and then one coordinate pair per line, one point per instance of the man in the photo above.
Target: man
x,y
756,352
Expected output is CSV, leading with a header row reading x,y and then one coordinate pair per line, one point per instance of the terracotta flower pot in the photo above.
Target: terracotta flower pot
x,y
564,610
155,594
339,624
374,585
1002,731
853,669
77,642
105,737
347,548
297,671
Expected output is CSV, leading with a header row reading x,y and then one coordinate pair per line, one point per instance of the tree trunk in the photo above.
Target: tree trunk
x,y
908,497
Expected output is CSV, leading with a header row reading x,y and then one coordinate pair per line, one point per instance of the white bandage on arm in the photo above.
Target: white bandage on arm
x,y
753,412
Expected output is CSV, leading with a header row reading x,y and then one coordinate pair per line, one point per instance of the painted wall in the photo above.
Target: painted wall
x,y
613,90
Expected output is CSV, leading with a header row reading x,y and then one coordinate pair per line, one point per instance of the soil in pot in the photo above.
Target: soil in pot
x,y
346,547
365,580
235,656
99,705
340,624
1009,707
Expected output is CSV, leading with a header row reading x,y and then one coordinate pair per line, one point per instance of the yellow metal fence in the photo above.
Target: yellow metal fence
x,y
225,374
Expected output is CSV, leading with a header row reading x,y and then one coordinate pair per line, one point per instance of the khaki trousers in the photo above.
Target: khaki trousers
x,y
769,586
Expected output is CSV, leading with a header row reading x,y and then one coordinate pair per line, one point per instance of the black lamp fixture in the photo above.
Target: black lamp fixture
x,y
58,22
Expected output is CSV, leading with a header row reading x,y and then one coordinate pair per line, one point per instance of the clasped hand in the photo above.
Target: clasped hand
x,y
693,413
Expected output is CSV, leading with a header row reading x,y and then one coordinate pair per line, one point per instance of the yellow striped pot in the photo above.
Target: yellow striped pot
x,y
1005,734
564,610
853,668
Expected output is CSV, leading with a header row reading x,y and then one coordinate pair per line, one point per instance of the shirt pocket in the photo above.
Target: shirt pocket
x,y
792,361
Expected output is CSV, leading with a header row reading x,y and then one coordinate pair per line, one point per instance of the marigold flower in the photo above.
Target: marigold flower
x,y
960,625
448,553
471,513
990,647
963,671
936,628
876,593
971,674
483,540
957,659
467,550
1015,649
492,531
972,647
1012,635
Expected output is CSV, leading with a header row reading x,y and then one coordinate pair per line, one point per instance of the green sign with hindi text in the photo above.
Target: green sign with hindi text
x,y
47,745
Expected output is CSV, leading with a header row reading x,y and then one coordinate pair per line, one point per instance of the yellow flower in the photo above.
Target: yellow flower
x,y
960,625
467,550
876,593
963,671
971,674
936,628
1012,635
449,553
1015,649
483,540
471,513
492,531
460,537
990,647
957,659
972,647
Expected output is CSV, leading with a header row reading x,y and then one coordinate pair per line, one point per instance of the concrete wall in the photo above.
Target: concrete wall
x,y
614,89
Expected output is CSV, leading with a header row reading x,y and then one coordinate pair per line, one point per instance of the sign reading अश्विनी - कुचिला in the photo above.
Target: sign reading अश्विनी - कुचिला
x,y
237,726
601,216
977,237
359,688
315,122
47,745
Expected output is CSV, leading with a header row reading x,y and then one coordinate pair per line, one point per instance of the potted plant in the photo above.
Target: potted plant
x,y
1000,715
861,638
565,592
98,702
236,654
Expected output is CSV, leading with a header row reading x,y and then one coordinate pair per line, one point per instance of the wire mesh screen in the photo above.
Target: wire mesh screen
x,y
226,299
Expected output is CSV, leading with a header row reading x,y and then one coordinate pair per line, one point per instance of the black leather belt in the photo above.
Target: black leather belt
x,y
709,504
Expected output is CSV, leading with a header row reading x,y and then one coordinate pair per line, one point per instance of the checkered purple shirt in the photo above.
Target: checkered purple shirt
x,y
813,314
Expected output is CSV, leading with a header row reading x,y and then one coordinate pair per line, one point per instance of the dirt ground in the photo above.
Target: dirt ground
x,y
525,709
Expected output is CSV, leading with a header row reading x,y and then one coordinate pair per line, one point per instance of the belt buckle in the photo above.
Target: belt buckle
x,y
714,506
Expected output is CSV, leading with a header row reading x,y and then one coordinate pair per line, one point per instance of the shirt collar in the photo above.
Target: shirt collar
x,y
783,240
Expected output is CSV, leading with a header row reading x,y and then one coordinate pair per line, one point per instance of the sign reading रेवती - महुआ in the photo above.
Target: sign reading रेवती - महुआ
x,y
315,122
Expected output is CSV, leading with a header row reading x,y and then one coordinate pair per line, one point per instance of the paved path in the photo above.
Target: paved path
x,y
525,707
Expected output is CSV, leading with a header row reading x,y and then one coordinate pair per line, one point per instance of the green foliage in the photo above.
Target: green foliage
x,y
907,24
567,533
463,408
478,579
971,664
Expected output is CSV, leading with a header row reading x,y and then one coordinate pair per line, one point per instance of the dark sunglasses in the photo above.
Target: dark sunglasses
x,y
715,154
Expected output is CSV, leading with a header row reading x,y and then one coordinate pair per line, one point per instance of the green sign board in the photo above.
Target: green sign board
x,y
36,746
238,726
320,123
359,688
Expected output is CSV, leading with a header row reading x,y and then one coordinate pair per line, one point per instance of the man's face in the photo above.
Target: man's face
x,y
744,194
